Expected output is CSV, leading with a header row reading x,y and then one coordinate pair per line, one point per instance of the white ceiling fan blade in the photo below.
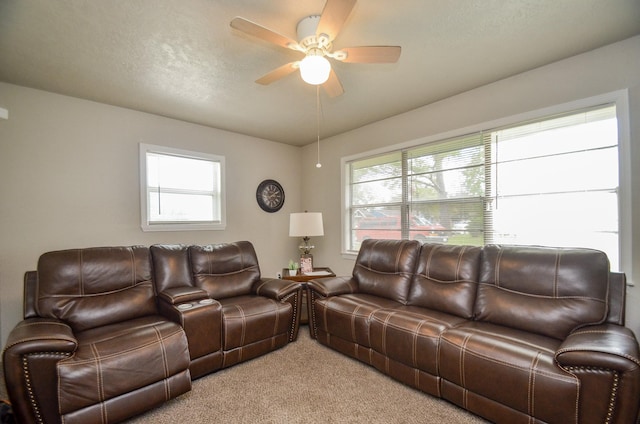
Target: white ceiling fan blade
x,y
333,17
369,54
278,73
256,30
333,86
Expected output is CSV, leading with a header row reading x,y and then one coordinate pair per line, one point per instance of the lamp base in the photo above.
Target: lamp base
x,y
306,263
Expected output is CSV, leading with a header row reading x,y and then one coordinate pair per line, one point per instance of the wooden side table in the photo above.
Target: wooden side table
x,y
320,272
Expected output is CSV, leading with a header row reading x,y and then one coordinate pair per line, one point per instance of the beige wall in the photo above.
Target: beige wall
x,y
69,178
614,67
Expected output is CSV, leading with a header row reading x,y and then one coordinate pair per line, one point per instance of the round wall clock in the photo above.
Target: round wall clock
x,y
270,196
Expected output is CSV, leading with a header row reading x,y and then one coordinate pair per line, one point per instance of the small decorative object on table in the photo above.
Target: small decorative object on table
x,y
306,264
293,267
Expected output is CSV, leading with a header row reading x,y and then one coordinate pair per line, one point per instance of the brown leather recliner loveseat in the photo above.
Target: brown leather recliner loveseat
x,y
250,315
514,334
111,332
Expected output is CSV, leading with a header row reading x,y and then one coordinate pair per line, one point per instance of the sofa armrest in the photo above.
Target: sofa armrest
x,y
333,286
607,346
285,291
40,335
182,294
198,315
274,288
326,287
606,350
33,349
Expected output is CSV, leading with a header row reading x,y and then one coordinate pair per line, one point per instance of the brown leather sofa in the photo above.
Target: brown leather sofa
x,y
512,334
109,333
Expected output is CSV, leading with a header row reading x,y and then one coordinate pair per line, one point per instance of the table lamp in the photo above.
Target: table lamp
x,y
306,224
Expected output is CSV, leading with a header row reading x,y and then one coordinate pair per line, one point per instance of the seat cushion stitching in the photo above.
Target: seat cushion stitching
x,y
100,382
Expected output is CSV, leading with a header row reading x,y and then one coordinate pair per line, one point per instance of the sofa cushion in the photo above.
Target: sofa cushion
x,y
348,316
510,367
384,268
446,279
120,358
94,287
225,270
548,291
410,335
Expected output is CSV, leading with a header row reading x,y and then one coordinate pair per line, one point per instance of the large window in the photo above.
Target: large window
x,y
552,181
181,190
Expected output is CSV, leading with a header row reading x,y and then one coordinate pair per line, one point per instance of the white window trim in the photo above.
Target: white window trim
x,y
182,226
621,100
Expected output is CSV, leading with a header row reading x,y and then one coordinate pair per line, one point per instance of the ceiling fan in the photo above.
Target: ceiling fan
x,y
315,39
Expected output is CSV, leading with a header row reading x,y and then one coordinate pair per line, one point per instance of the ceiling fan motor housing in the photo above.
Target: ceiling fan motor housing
x,y
307,36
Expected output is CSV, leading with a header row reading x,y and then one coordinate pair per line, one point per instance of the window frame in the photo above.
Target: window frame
x,y
145,222
619,98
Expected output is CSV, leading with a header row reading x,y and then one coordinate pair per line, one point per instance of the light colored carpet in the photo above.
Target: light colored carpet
x,y
301,383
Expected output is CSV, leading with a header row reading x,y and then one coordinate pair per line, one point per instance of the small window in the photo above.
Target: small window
x,y
181,190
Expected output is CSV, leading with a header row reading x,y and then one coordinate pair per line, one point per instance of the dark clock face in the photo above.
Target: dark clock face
x,y
270,195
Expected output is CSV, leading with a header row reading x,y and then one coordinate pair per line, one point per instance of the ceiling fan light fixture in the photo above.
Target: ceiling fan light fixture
x,y
315,69
315,39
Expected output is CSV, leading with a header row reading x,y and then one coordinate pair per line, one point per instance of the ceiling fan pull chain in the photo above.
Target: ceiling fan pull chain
x,y
318,164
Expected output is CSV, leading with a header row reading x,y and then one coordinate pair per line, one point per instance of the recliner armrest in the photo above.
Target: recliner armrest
x,y
40,335
333,286
274,288
606,346
326,287
610,350
182,294
285,291
33,349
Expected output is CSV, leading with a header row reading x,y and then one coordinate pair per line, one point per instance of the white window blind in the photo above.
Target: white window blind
x,y
447,188
555,182
424,193
550,182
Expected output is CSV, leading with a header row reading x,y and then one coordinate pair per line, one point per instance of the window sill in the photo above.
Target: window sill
x,y
184,227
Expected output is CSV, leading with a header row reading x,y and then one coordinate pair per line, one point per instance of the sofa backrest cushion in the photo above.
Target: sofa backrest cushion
x,y
548,291
446,279
225,270
92,287
384,267
171,266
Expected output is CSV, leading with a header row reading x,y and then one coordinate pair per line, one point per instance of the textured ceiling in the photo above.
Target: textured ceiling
x,y
181,59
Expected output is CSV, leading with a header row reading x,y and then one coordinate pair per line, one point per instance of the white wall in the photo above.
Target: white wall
x,y
69,178
611,68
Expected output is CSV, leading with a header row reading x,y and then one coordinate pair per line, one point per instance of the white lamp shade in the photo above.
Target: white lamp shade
x,y
306,224
315,70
